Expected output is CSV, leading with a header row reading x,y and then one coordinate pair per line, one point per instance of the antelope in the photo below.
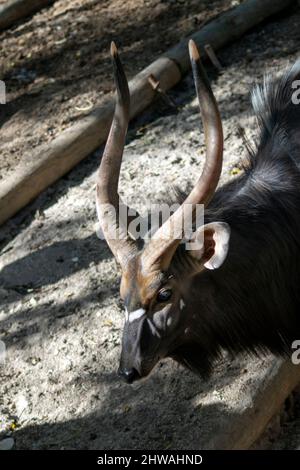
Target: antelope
x,y
238,289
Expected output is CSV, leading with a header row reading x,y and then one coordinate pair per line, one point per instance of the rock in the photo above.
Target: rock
x,y
7,443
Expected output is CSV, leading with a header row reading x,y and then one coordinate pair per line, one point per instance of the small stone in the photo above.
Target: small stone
x,y
32,302
7,444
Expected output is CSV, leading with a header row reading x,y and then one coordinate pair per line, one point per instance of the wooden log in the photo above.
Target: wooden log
x,y
57,158
263,400
14,10
227,28
52,161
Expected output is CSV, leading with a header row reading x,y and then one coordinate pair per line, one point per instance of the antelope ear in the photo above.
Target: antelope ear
x,y
210,243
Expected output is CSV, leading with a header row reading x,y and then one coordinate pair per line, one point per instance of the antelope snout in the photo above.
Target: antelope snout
x,y
129,375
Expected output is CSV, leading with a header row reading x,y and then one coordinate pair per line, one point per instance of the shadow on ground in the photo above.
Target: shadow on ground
x,y
133,418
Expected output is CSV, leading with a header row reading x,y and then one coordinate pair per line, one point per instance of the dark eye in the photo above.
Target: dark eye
x,y
164,295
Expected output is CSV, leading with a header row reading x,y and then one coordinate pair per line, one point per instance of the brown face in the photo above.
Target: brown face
x,y
153,307
156,301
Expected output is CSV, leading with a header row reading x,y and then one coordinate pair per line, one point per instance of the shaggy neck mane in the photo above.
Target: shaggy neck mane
x,y
252,303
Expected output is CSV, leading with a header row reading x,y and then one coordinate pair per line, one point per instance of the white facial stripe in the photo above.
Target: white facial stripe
x,y
136,314
181,304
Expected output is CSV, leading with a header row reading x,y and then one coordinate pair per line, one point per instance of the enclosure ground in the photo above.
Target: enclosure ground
x,y
61,317
57,67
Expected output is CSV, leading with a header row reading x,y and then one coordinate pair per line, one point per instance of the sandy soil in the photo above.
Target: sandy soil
x,y
61,317
56,65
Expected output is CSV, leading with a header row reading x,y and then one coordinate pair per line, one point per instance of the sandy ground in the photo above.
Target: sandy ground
x,y
61,318
56,65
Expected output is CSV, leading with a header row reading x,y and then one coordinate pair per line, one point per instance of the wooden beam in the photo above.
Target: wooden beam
x,y
14,10
228,27
263,399
53,160
57,158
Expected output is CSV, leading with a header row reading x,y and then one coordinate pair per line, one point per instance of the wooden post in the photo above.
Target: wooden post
x,y
13,10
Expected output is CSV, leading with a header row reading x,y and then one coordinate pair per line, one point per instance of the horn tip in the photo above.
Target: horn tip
x,y
193,50
113,49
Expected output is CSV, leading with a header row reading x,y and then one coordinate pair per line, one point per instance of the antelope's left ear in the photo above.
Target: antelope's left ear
x,y
209,244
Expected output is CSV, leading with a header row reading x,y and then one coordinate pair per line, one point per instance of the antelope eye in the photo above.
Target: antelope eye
x,y
164,295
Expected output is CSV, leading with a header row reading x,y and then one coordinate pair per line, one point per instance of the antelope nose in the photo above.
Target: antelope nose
x,y
129,375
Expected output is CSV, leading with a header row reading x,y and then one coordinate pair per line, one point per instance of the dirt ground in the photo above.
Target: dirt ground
x,y
56,66
60,315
